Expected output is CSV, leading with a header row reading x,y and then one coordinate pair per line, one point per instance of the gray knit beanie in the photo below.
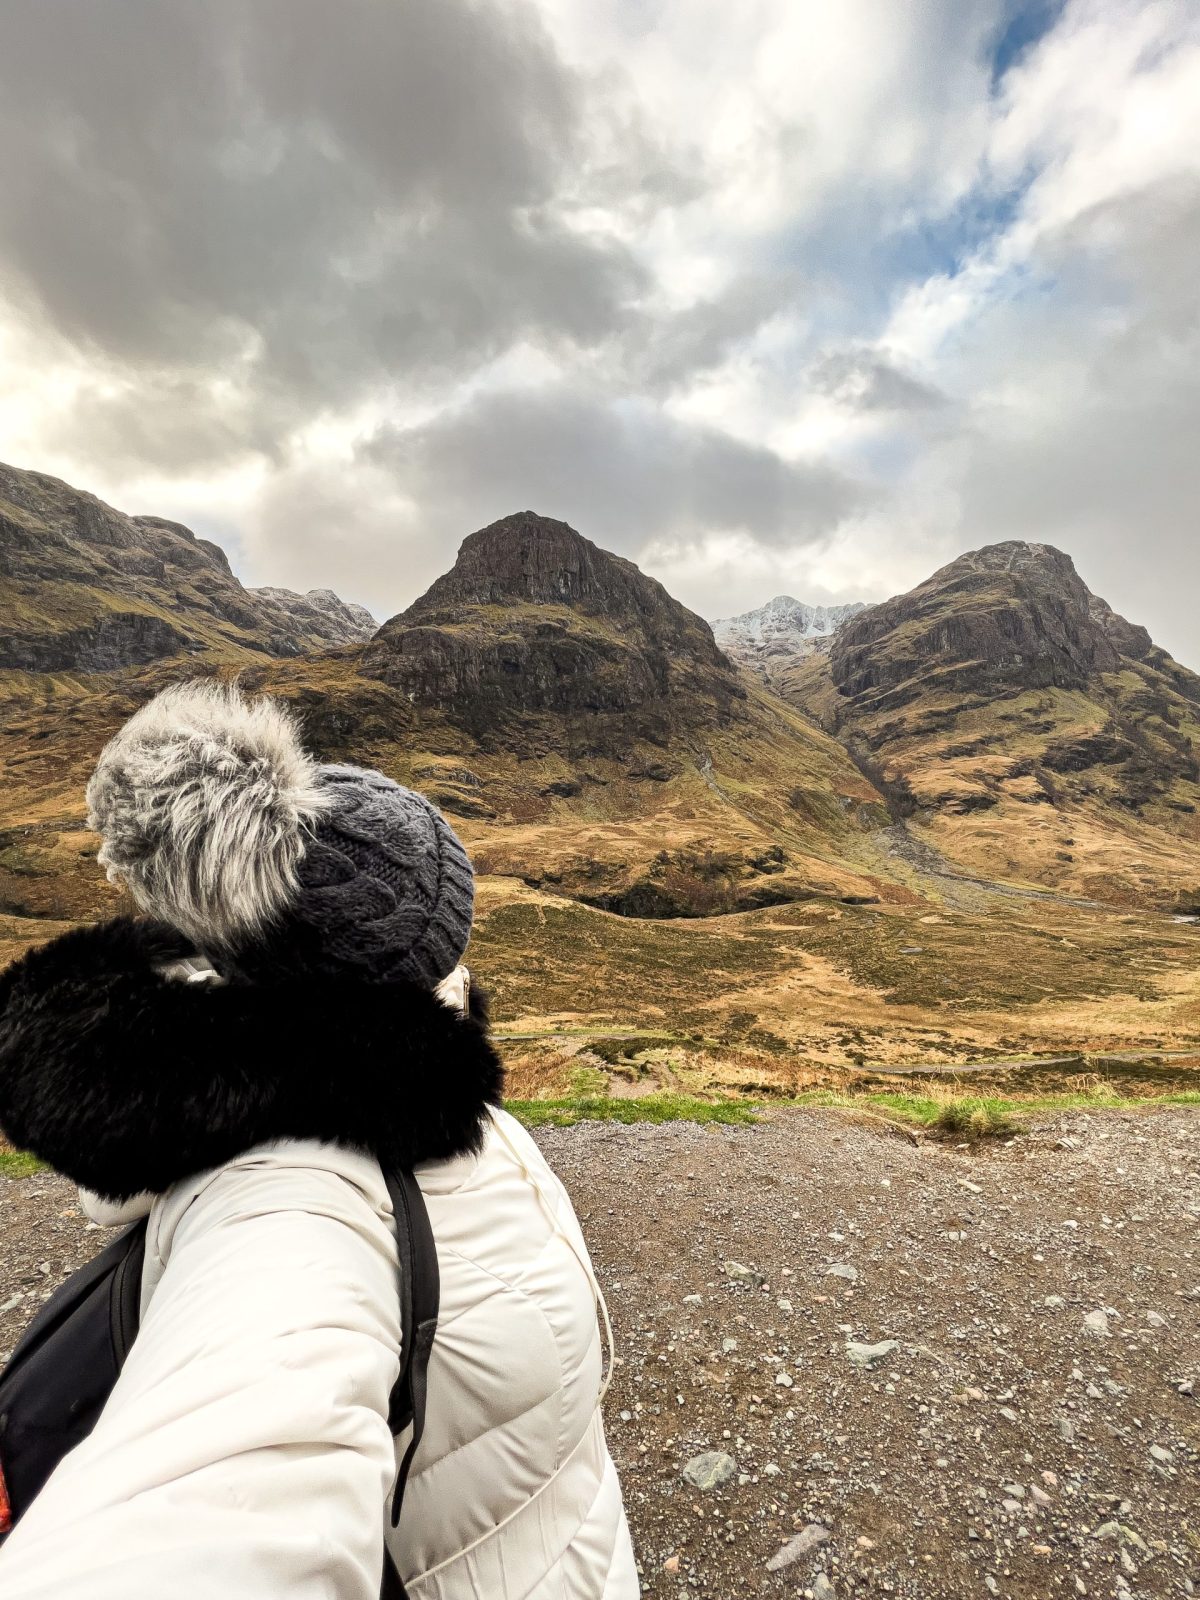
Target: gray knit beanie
x,y
219,822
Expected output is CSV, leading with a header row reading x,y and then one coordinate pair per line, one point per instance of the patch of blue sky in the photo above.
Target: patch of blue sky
x,y
855,271
1025,23
941,245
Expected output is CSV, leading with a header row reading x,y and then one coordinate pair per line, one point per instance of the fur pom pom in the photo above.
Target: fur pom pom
x,y
205,801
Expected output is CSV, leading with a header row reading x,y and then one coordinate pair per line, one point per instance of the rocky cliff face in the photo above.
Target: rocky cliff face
x,y
84,588
775,638
535,620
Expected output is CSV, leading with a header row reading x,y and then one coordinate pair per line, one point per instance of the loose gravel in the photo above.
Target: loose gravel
x,y
1025,1421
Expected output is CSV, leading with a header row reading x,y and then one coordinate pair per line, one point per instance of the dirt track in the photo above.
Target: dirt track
x,y
1002,1447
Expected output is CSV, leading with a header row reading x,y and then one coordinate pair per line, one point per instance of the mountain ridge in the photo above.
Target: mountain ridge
x,y
84,587
665,838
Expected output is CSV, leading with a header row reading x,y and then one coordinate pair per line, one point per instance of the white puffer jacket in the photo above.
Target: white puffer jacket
x,y
245,1451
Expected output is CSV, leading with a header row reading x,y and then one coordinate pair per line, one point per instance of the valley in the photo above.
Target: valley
x,y
964,828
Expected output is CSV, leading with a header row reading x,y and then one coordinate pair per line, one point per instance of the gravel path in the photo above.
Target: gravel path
x,y
1032,1431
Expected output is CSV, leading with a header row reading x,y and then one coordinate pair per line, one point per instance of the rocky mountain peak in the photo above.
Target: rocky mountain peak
x,y
784,618
529,559
582,632
1008,617
322,614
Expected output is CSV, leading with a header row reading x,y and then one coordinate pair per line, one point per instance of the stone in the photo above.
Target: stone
x,y
784,1379
841,1270
822,1588
866,1356
1054,1302
740,1273
1096,1322
809,1538
1121,1533
693,1300
1161,1454
728,1346
710,1470
1154,1320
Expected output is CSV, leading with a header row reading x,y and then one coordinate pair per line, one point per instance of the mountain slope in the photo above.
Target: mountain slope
x,y
1037,733
772,640
84,588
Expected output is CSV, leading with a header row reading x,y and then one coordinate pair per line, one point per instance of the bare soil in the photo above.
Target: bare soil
x,y
1000,1448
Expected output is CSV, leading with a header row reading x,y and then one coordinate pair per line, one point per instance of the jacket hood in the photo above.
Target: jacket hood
x,y
127,1080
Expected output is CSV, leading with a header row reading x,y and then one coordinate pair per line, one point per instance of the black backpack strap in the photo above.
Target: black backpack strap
x,y
420,1293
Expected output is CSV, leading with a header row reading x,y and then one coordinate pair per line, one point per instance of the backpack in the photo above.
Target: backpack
x,y
62,1371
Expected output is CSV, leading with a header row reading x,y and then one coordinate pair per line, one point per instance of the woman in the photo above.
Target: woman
x,y
239,1067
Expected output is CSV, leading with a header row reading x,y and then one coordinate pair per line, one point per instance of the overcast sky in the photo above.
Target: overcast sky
x,y
775,296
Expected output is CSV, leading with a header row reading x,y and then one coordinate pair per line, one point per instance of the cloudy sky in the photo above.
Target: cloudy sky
x,y
776,296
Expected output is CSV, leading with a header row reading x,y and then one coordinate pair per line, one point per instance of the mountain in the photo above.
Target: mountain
x,y
661,842
580,725
320,615
590,735
534,620
776,637
84,588
1037,733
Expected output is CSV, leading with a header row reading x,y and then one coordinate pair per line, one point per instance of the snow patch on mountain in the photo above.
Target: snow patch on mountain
x,y
783,623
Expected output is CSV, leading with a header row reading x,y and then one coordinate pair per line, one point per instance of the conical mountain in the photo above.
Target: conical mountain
x,y
534,620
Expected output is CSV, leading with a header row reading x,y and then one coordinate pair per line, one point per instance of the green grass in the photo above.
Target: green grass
x,y
16,1164
646,1108
970,1117
965,1118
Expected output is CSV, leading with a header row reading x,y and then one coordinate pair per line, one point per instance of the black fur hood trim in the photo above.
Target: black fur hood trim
x,y
127,1080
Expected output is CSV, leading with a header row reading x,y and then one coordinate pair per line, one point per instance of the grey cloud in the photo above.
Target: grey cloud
x,y
660,353
869,381
622,473
336,198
